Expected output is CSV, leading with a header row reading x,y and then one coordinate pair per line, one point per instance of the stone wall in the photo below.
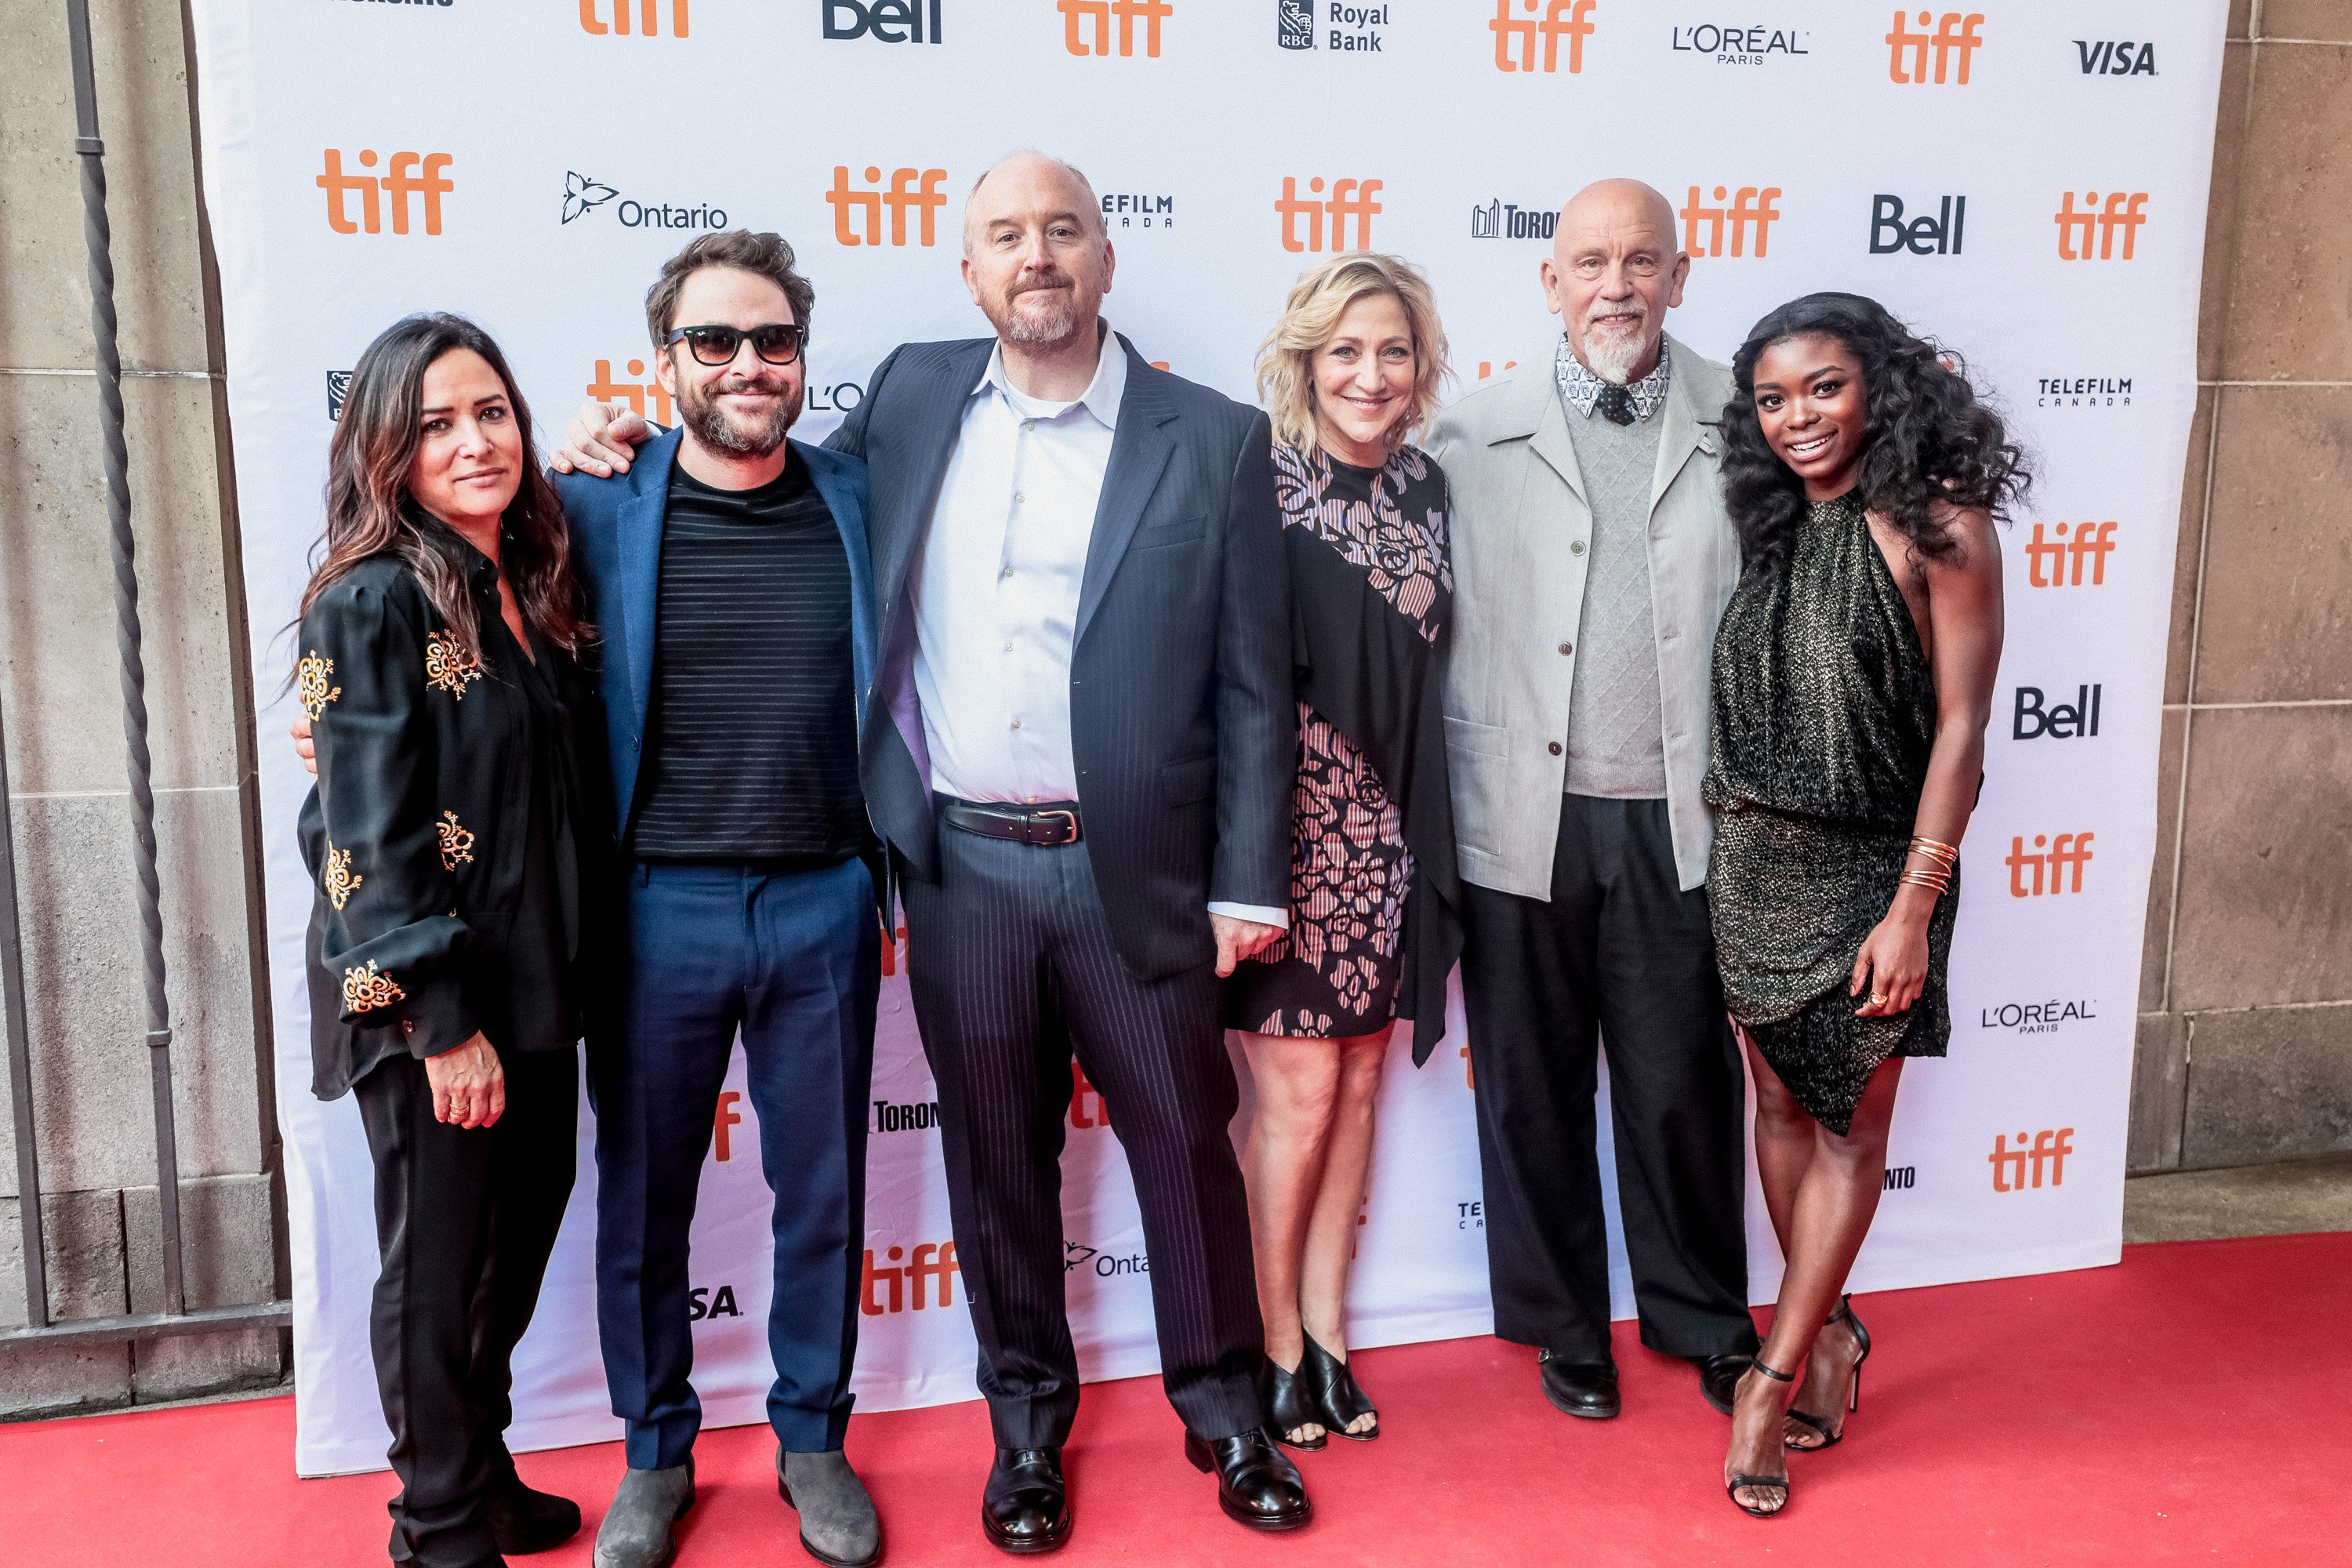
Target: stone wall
x,y
60,695
2245,1026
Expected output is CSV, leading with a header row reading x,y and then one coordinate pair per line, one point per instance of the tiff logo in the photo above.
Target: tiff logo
x,y
1748,207
2059,563
888,1288
927,198
725,1118
1099,13
648,13
636,395
1514,36
1923,236
1343,205
2050,1147
1087,1106
411,175
2122,212
1956,33
2068,850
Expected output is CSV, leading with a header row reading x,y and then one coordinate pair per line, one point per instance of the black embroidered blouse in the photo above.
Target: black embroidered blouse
x,y
460,816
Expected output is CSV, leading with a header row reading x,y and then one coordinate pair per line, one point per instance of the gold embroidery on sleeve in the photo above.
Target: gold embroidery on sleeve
x,y
364,990
311,690
339,880
457,842
447,667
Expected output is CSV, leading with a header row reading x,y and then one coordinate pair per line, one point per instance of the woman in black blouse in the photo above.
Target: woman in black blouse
x,y
455,833
1348,373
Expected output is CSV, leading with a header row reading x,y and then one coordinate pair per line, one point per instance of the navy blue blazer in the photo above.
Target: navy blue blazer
x,y
616,540
1182,719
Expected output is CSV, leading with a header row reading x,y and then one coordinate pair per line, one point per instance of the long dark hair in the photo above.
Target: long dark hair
x,y
370,510
1930,445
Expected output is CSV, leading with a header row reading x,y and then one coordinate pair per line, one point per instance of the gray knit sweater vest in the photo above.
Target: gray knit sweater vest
x,y
1616,742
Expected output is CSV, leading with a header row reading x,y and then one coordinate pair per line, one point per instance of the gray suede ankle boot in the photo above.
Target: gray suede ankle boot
x,y
838,1525
635,1531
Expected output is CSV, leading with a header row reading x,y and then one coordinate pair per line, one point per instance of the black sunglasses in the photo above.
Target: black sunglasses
x,y
778,344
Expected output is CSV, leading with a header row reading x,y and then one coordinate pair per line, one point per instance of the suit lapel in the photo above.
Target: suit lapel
x,y
1550,440
640,528
939,420
1681,435
1138,454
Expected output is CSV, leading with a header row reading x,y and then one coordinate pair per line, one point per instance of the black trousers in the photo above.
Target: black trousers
x,y
1012,966
465,1220
1622,959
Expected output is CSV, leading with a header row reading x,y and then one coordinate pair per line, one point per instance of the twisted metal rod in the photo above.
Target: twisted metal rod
x,y
98,239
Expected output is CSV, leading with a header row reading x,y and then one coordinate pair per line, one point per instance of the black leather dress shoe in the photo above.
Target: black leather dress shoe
x,y
1718,1377
523,1521
1026,1506
1256,1483
1586,1388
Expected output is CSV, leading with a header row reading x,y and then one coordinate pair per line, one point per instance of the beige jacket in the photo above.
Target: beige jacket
x,y
1519,531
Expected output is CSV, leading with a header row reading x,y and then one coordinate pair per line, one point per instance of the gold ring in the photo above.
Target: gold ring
x,y
1877,999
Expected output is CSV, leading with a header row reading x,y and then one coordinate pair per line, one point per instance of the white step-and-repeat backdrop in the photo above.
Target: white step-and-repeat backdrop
x,y
2026,181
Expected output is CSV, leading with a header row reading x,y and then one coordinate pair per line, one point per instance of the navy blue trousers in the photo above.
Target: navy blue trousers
x,y
792,958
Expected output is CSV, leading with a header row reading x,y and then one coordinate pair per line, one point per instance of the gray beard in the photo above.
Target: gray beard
x,y
1612,356
1058,323
715,430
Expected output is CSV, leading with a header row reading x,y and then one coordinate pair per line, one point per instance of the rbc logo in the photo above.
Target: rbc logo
x,y
411,175
1956,33
1514,36
649,13
1076,14
904,192
885,21
1748,207
2122,211
1359,204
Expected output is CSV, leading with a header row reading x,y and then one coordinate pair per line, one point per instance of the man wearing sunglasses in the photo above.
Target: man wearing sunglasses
x,y
728,572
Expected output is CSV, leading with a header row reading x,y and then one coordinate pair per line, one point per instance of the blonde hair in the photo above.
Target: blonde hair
x,y
1285,378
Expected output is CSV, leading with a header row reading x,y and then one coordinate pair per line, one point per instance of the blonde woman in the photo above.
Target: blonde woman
x,y
1347,375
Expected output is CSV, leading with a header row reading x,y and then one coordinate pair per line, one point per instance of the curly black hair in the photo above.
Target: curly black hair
x,y
1930,443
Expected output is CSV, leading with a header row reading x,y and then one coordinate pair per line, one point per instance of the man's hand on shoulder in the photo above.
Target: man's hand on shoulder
x,y
602,440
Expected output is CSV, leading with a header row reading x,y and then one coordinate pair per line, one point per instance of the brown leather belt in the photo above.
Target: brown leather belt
x,y
1044,827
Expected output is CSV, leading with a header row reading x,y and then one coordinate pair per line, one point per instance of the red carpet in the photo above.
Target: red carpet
x,y
2188,1406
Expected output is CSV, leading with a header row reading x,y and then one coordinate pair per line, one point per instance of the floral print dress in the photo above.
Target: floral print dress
x,y
1371,586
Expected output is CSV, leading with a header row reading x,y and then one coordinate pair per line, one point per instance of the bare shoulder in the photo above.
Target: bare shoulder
x,y
1976,540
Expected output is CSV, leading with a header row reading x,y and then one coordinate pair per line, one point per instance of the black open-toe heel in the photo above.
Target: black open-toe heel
x,y
1336,1395
1290,1405
1832,1436
1759,1483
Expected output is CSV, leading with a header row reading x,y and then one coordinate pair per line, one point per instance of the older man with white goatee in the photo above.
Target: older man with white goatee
x,y
1592,557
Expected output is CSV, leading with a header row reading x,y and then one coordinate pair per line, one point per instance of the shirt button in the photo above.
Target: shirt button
x,y
1555,748
1018,498
1016,723
1008,571
1568,647
1576,547
1008,648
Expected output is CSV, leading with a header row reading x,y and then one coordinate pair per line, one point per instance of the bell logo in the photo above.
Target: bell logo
x,y
2059,563
887,1288
1749,206
1955,34
2121,212
2068,850
411,175
915,188
1514,36
1923,236
1078,15
884,21
2048,1153
604,389
1350,198
648,13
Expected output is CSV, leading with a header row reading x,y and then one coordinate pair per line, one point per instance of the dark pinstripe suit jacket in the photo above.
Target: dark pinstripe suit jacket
x,y
1182,719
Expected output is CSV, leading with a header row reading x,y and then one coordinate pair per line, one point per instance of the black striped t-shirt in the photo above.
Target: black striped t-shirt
x,y
752,752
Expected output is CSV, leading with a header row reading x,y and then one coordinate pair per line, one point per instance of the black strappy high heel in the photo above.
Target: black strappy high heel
x,y
1336,1395
1290,1405
1759,1483
1831,1436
